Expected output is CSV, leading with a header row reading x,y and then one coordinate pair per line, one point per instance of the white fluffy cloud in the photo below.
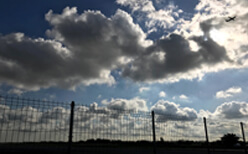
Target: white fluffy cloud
x,y
229,92
162,94
142,89
16,91
170,111
85,48
206,41
154,18
232,110
135,104
229,110
183,97
232,36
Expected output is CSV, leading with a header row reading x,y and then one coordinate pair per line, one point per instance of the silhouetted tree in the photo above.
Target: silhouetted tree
x,y
161,139
229,139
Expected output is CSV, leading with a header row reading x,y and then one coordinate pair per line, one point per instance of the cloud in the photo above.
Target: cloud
x,y
228,110
228,93
203,44
83,49
170,111
232,110
162,94
164,17
142,89
16,91
210,16
56,114
134,104
3,115
137,5
171,59
183,97
27,113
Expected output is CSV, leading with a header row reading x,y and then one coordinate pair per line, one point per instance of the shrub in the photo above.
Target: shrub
x,y
229,139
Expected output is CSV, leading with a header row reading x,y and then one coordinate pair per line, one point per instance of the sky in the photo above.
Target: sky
x,y
171,56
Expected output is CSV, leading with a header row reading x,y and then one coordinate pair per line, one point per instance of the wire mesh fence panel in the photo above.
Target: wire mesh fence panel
x,y
246,130
217,128
100,127
245,137
176,129
44,125
110,124
226,134
32,121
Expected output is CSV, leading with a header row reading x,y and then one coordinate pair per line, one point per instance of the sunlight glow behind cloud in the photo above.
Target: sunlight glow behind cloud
x,y
218,36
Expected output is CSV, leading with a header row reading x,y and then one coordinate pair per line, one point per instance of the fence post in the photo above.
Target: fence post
x,y
243,135
153,133
71,127
206,133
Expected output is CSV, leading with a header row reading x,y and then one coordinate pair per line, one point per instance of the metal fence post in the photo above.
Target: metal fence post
x,y
71,127
243,135
153,133
206,133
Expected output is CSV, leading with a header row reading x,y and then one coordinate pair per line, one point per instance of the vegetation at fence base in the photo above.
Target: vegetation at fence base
x,y
119,143
116,143
181,144
143,143
229,139
226,141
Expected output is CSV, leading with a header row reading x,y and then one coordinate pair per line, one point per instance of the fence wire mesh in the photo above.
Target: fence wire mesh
x,y
92,122
29,120
246,130
217,128
180,130
33,122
